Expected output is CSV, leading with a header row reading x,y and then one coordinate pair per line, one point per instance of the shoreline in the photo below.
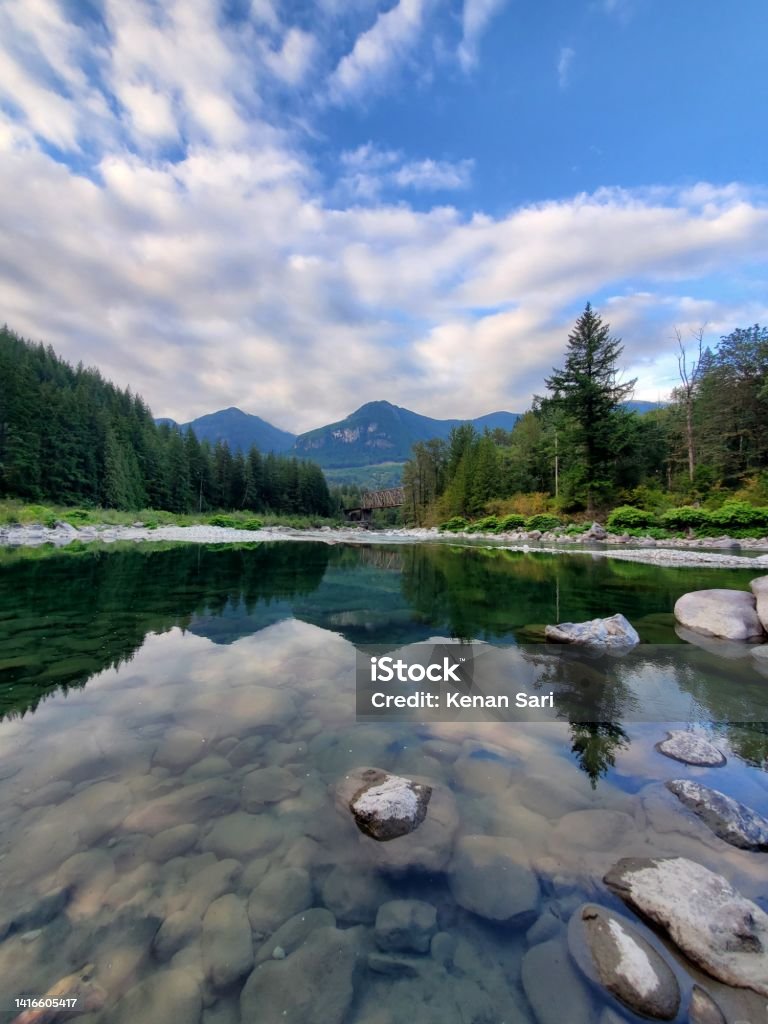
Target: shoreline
x,y
671,553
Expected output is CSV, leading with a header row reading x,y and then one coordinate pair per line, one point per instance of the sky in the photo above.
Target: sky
x,y
295,208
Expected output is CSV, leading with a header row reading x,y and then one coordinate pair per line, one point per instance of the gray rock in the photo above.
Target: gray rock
x,y
165,996
290,935
492,877
246,752
405,926
179,929
313,986
354,895
759,588
712,923
212,881
553,987
243,836
394,966
729,614
268,786
173,842
198,802
614,632
596,532
279,895
703,1009
227,946
736,823
179,749
388,806
691,748
36,913
611,953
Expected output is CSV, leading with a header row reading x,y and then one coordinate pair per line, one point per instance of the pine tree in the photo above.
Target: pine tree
x,y
588,389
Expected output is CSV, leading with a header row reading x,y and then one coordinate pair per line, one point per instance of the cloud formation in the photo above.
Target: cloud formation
x,y
190,244
564,62
475,18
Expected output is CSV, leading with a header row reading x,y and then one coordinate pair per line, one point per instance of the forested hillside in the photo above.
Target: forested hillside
x,y
582,449
68,436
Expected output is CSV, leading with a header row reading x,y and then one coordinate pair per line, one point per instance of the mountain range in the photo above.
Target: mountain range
x,y
375,435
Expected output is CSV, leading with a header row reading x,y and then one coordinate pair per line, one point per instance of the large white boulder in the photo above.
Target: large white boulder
x,y
759,588
730,614
614,631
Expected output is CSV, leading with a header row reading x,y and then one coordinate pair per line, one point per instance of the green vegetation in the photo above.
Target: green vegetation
x,y
698,463
69,437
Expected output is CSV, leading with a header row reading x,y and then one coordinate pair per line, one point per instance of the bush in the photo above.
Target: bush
x,y
486,525
576,528
40,514
455,525
544,521
252,524
80,515
227,521
684,518
739,515
625,517
513,521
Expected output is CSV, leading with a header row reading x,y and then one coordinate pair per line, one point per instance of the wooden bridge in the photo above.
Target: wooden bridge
x,y
390,497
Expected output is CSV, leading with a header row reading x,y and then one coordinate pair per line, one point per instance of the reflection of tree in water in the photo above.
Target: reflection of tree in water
x,y
591,694
65,617
749,740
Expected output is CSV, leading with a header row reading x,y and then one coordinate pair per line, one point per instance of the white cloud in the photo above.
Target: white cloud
x,y
379,51
434,174
368,170
475,18
294,59
564,62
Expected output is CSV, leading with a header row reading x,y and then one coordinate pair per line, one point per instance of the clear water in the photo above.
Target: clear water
x,y
140,688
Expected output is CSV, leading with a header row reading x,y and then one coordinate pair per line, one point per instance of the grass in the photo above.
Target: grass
x,y
14,512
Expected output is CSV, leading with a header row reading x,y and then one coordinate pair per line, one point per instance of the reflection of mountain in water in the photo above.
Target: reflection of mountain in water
x,y
66,617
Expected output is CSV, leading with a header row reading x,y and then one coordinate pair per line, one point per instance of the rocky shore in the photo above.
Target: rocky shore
x,y
597,543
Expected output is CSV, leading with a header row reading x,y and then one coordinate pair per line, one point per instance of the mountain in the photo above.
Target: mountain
x,y
380,432
239,429
641,407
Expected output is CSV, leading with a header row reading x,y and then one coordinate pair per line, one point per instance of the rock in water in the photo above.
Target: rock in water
x,y
714,925
729,614
691,748
736,823
405,926
388,806
703,1009
227,944
615,631
612,953
759,588
492,877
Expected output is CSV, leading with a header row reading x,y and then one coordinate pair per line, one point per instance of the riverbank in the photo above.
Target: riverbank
x,y
682,553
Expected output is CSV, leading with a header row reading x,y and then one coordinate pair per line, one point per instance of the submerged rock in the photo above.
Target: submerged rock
x,y
554,988
613,954
165,996
614,631
492,877
405,926
712,923
703,1009
736,823
388,806
278,896
691,748
227,947
729,614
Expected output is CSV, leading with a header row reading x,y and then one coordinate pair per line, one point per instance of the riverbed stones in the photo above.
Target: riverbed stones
x,y
691,748
312,986
732,821
243,836
388,806
703,1009
405,926
227,946
179,749
173,842
491,876
354,896
613,632
210,882
711,922
197,802
759,587
614,955
268,786
730,614
293,932
165,996
553,987
279,895
178,929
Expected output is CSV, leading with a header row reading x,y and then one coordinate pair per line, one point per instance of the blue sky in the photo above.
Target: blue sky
x,y
298,207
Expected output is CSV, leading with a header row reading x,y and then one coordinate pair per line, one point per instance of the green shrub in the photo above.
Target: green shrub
x,y
221,520
625,517
80,515
577,528
684,518
486,525
543,521
40,514
252,524
455,525
739,515
512,521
